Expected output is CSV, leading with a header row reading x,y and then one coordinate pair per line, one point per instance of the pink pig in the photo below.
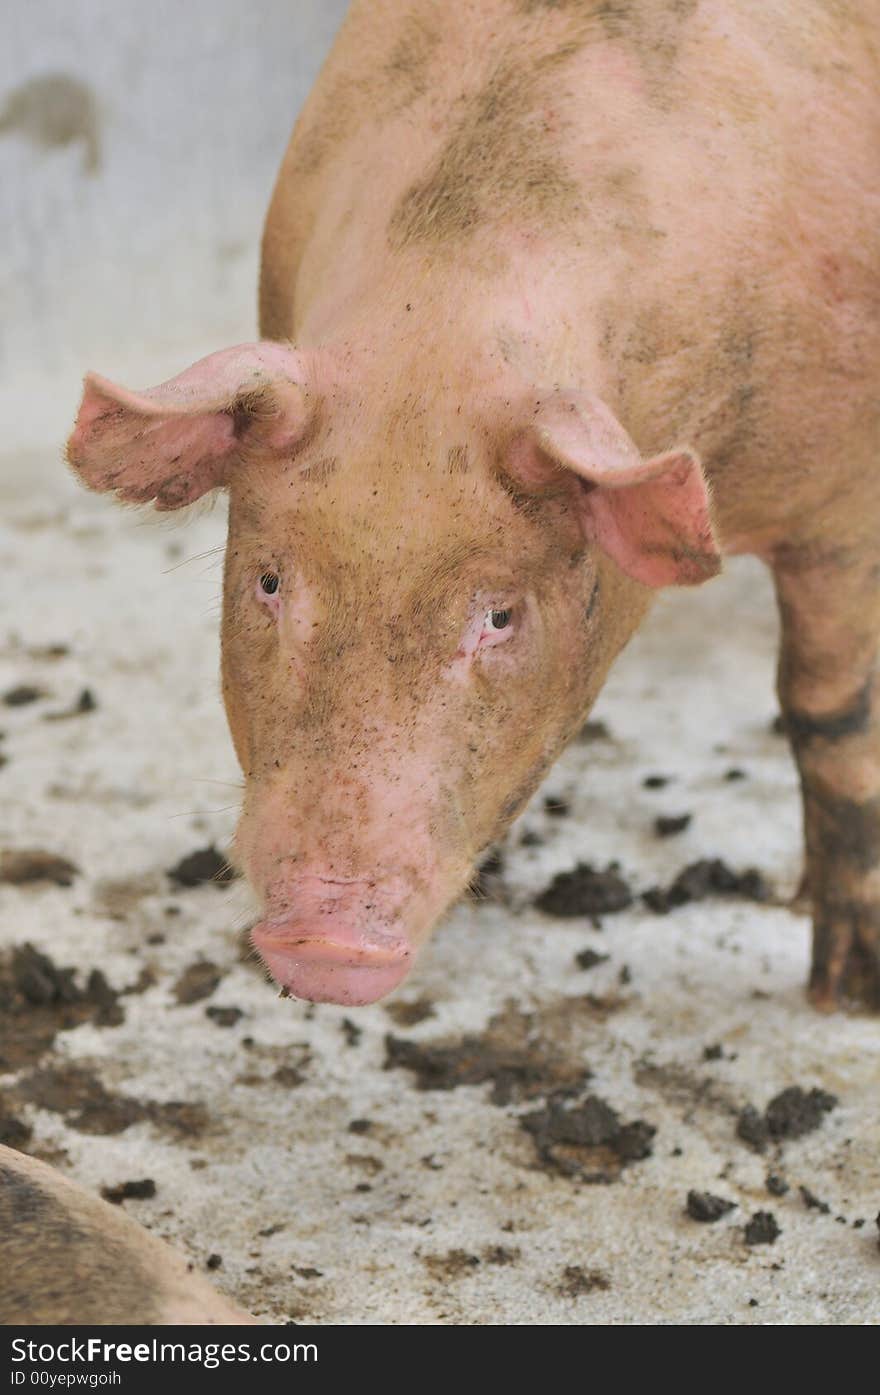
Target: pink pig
x,y
583,295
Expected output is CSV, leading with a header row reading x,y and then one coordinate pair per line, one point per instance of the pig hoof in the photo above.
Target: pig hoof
x,y
846,959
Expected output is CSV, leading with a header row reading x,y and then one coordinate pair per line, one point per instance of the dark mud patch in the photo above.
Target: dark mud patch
x,y
708,877
410,1014
224,1016
587,1141
455,1264
762,1229
14,1132
205,865
76,1093
516,1054
197,982
576,1281
706,1207
28,866
668,825
593,731
38,999
23,694
590,958
790,1114
776,1185
685,1088
585,891
656,782
813,1202
458,1264
135,1190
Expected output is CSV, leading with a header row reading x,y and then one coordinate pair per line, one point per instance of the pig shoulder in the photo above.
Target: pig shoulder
x,y
68,1258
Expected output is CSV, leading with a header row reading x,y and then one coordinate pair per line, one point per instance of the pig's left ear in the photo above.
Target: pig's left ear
x,y
650,515
174,442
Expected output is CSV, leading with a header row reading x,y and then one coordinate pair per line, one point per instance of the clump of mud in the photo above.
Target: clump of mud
x,y
668,825
585,891
790,1114
762,1229
139,1190
705,1207
708,877
38,999
587,1141
200,867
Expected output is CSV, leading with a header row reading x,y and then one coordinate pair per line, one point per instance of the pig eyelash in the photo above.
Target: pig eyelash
x,y
269,588
498,626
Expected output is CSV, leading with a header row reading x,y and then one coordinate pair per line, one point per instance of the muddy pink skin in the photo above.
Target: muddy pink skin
x,y
571,319
331,945
67,1258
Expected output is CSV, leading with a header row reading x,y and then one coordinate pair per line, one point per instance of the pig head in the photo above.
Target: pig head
x,y
423,593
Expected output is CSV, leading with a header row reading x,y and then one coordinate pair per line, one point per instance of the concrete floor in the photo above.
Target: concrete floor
x,y
439,1210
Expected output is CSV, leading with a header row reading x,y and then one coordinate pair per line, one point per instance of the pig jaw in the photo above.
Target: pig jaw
x,y
335,942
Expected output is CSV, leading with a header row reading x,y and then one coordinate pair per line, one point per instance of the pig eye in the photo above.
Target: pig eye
x,y
269,583
497,626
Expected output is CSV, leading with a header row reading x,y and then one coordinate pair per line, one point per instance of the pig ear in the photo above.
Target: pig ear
x,y
650,515
174,442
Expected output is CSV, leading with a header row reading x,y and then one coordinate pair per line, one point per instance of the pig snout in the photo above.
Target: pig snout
x,y
333,941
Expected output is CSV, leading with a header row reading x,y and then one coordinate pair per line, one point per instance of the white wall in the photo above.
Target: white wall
x,y
139,140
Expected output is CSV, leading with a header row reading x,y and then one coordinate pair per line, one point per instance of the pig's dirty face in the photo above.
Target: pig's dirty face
x,y
404,651
421,601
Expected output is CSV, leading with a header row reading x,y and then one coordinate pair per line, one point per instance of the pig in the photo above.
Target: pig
x,y
561,302
68,1259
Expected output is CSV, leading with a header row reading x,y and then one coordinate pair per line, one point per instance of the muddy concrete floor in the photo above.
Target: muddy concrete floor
x,y
514,1136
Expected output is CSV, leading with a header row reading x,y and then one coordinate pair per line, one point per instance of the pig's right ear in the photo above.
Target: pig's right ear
x,y
176,441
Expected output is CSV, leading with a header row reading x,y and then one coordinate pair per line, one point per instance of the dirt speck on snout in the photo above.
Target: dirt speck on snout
x,y
585,891
587,1141
39,999
206,865
27,866
519,1063
790,1114
708,877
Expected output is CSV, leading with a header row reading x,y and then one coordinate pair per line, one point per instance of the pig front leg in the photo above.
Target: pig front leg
x,y
829,602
